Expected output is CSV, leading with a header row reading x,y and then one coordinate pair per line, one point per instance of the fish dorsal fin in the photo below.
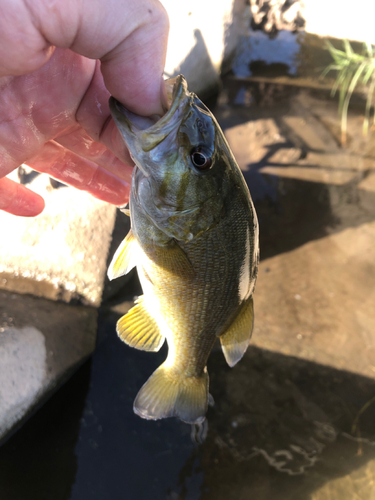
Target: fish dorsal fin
x,y
235,340
174,260
139,329
124,259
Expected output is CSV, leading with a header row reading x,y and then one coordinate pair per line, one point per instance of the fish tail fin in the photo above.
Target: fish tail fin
x,y
166,394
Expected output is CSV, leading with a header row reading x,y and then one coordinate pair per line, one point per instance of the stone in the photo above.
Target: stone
x,y
41,344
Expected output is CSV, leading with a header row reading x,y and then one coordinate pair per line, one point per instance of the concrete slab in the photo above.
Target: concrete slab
x,y
353,23
195,48
61,254
41,343
317,302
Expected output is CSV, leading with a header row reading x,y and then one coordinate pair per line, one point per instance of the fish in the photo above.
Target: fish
x,y
194,241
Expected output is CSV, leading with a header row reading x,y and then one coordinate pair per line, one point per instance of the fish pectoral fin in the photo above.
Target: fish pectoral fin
x,y
124,259
139,329
166,394
173,259
235,340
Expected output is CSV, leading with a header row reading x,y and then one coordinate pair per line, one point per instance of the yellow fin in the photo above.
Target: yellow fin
x,y
166,394
139,330
125,209
124,259
235,340
173,259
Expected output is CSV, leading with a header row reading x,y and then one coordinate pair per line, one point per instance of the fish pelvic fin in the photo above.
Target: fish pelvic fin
x,y
166,394
235,340
124,259
139,329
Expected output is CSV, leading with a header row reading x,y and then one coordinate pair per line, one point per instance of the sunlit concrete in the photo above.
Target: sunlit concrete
x,y
202,35
62,253
352,20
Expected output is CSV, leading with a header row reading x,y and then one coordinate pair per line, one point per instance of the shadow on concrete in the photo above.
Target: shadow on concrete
x,y
199,71
307,211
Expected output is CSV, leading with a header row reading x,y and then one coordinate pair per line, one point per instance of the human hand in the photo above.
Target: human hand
x,y
59,62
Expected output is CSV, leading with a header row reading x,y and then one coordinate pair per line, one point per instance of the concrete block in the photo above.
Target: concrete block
x,y
202,36
61,254
354,21
41,343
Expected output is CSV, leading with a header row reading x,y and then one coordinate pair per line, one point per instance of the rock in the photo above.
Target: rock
x,y
63,253
41,343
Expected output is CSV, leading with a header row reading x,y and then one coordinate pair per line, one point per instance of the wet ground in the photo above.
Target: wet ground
x,y
295,419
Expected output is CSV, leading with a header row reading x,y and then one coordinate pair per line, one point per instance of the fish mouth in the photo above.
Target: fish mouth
x,y
143,134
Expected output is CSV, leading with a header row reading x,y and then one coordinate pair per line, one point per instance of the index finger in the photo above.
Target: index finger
x,y
18,200
128,36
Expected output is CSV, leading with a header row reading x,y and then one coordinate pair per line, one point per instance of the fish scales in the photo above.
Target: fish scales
x,y
194,240
194,320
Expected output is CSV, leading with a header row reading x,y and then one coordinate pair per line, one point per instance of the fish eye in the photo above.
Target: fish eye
x,y
200,160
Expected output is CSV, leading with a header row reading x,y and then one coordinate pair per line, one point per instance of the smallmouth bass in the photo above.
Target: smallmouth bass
x,y
194,241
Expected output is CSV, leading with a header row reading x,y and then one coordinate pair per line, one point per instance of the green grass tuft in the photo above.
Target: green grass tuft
x,y
353,69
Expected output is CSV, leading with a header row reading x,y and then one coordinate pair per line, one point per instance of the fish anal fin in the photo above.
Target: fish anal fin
x,y
123,260
174,260
139,329
235,340
166,394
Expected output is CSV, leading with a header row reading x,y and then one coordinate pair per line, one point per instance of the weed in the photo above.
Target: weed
x,y
353,69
